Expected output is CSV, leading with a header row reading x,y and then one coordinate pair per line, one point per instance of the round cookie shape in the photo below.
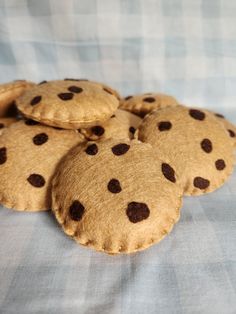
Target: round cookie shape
x,y
196,143
29,154
9,93
68,104
144,103
6,122
122,124
114,196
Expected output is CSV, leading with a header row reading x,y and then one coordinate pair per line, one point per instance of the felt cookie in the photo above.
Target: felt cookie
x,y
116,196
6,122
29,154
122,124
68,104
145,103
8,94
197,144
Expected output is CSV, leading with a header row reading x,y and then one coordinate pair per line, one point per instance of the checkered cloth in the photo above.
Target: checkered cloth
x,y
183,47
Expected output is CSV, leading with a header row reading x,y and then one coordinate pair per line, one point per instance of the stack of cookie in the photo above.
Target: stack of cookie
x,y
113,171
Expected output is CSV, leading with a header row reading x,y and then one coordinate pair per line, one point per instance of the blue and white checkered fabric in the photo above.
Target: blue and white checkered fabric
x,y
183,47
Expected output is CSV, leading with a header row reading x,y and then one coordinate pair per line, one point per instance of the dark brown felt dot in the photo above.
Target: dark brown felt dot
x,y
231,133
31,122
35,100
65,96
168,172
197,114
2,125
108,91
206,145
137,212
219,115
3,155
91,149
201,183
128,97
149,99
120,149
75,89
164,125
114,186
43,82
220,164
40,138
132,130
36,180
76,80
76,211
98,130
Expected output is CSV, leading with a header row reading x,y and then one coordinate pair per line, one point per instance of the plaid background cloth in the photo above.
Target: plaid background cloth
x,y
183,47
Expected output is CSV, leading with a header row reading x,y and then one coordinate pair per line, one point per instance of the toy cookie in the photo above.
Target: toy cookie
x,y
144,103
8,94
116,196
197,144
29,154
5,122
68,104
122,124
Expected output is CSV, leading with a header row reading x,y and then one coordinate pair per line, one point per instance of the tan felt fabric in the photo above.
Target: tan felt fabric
x,y
68,104
29,154
9,92
6,122
122,124
197,144
108,88
113,196
145,103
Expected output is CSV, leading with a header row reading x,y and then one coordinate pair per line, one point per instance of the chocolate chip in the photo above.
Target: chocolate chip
x,y
113,116
219,115
66,96
220,164
149,99
142,113
132,130
2,125
3,155
75,89
137,212
164,125
40,138
43,82
120,149
36,180
91,149
98,130
114,186
76,211
206,145
231,133
128,97
168,172
31,122
76,80
197,114
201,183
108,91
35,100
